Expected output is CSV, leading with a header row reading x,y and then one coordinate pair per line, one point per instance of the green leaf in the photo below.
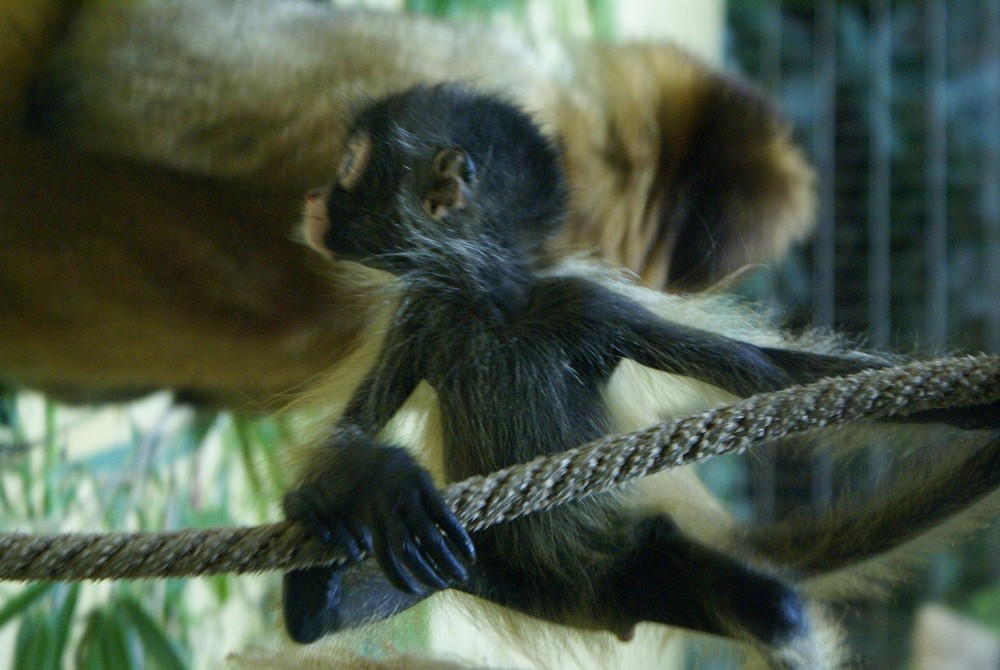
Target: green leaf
x,y
115,646
5,502
159,648
221,585
50,461
31,643
28,481
61,624
193,435
602,18
20,603
88,652
245,444
272,435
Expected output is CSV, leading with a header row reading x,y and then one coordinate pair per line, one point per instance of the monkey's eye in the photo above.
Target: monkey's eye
x,y
357,155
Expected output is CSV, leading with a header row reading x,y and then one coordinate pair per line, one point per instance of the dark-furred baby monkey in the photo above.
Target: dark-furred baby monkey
x,y
456,195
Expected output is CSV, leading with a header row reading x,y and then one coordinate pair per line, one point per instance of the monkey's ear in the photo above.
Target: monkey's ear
x,y
316,222
452,174
683,174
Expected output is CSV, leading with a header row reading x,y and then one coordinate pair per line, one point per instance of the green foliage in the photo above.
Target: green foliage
x,y
117,634
22,602
984,605
160,649
598,14
464,8
602,17
173,469
32,641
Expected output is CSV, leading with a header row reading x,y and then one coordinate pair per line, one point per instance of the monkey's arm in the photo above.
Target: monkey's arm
x,y
363,495
625,328
743,368
739,367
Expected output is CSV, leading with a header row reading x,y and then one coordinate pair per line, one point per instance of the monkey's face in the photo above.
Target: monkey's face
x,y
356,219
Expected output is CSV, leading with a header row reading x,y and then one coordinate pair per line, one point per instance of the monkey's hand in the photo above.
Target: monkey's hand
x,y
362,498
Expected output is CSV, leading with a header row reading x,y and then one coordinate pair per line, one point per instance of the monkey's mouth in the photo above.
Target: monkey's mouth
x,y
317,221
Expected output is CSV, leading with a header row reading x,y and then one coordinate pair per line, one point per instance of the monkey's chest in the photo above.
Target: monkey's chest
x,y
504,400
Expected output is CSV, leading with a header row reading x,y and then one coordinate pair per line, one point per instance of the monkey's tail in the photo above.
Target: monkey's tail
x,y
859,549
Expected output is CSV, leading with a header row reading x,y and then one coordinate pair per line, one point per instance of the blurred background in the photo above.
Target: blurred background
x,y
897,103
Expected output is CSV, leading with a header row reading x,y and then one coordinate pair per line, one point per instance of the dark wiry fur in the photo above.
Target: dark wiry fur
x,y
518,355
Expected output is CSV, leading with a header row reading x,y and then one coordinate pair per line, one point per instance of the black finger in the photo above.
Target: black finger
x,y
403,537
413,557
389,562
307,507
361,533
423,538
442,515
341,537
437,547
303,508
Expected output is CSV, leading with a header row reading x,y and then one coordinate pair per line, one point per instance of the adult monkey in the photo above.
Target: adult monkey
x,y
159,163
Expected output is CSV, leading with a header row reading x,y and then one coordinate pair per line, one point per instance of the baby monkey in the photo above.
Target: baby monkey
x,y
456,194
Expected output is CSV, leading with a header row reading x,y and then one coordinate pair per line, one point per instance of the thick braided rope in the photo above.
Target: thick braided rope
x,y
482,501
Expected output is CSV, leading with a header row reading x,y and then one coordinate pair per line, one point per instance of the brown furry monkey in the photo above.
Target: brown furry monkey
x,y
184,132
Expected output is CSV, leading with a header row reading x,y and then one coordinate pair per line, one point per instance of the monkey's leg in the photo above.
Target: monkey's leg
x,y
667,578
622,571
654,573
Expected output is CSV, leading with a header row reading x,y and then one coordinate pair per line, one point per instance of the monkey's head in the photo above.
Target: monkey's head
x,y
435,167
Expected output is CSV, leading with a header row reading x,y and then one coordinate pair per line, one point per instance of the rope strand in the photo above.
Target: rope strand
x,y
538,485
